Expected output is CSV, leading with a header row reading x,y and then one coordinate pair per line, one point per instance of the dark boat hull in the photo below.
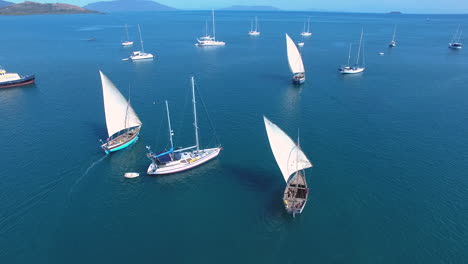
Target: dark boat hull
x,y
30,79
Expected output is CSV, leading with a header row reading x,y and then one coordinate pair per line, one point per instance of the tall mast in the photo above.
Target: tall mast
x,y
128,106
206,27
214,30
195,115
298,148
141,40
308,24
394,32
171,133
359,50
126,31
251,25
349,53
304,27
256,24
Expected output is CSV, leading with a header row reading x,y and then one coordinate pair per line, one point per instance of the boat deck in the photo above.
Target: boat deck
x,y
121,139
187,160
295,194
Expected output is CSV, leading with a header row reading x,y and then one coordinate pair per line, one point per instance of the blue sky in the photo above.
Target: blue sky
x,y
406,6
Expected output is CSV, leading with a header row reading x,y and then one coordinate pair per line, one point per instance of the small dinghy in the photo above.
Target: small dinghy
x,y
131,175
381,53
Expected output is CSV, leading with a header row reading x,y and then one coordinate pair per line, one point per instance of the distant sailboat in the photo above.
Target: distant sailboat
x,y
173,161
295,61
210,40
393,42
291,160
348,69
123,124
254,32
455,43
127,42
306,33
140,55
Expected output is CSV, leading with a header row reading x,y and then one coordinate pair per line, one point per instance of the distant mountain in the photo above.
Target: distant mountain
x,y
33,8
250,8
128,5
5,3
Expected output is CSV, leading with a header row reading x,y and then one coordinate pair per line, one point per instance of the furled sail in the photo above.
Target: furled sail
x,y
288,155
119,113
294,57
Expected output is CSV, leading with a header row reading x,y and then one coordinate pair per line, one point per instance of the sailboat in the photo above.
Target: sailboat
x,y
292,161
173,161
295,61
348,69
210,40
306,33
253,32
127,42
123,124
456,43
140,55
393,42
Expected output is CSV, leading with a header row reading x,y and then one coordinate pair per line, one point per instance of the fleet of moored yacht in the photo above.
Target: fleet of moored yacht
x,y
123,124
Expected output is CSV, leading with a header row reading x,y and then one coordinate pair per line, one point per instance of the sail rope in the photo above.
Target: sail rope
x,y
210,122
184,110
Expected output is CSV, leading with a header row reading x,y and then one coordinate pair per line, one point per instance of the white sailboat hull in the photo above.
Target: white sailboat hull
x,y
254,33
306,34
127,43
204,43
188,161
141,56
351,70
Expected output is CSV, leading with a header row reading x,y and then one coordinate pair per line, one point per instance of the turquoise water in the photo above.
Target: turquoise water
x,y
389,147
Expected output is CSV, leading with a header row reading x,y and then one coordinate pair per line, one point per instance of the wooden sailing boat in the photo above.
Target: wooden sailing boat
x,y
254,32
291,161
356,68
123,124
295,61
127,42
173,161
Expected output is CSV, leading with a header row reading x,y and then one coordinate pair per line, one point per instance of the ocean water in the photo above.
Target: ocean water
x,y
389,146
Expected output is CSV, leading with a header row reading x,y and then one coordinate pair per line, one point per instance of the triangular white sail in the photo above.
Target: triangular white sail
x,y
294,57
288,155
119,113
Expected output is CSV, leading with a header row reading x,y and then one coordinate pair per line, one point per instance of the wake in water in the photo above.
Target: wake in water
x,y
9,220
77,181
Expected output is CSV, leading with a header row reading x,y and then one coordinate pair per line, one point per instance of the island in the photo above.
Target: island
x,y
395,12
5,3
128,5
33,8
250,8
